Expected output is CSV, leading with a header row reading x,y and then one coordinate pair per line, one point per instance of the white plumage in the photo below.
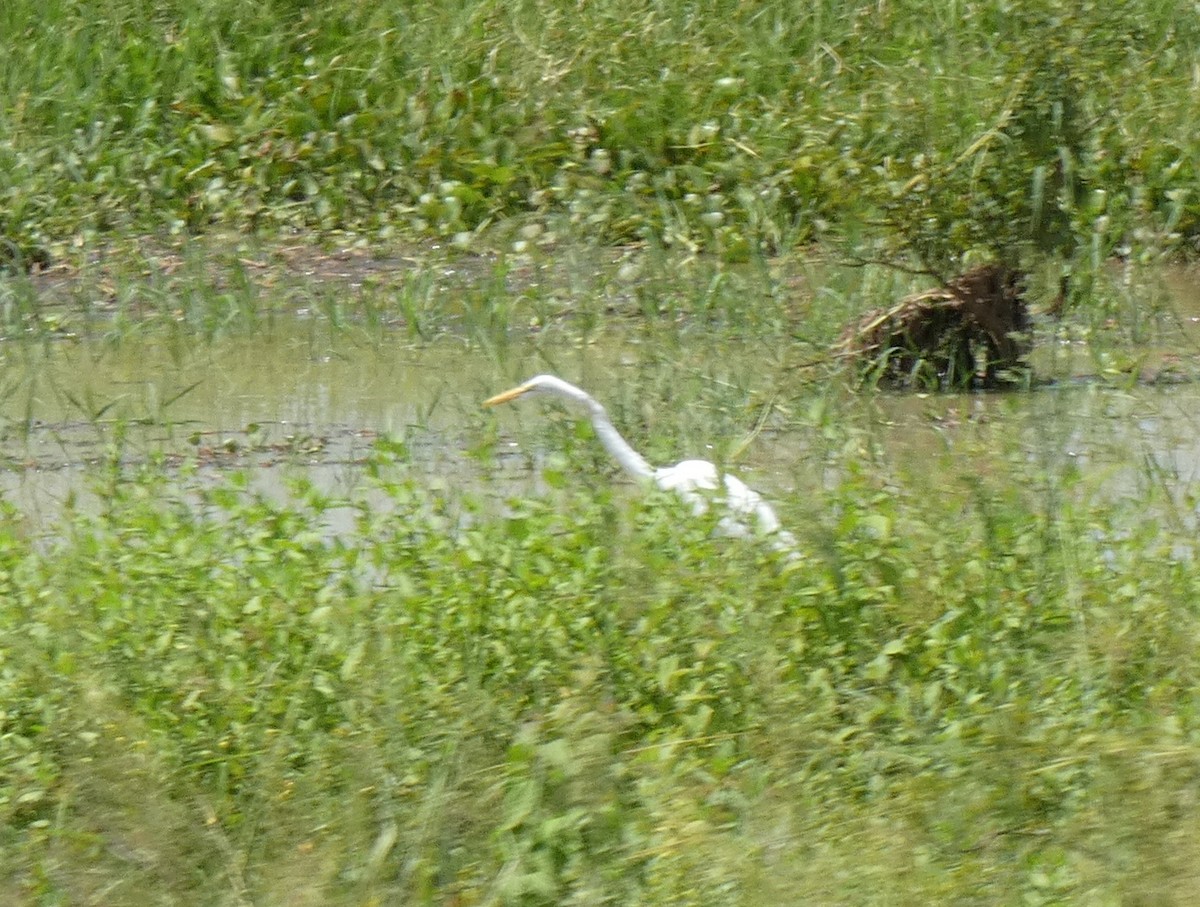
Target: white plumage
x,y
696,481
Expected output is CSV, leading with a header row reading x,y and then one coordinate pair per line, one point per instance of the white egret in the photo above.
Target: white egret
x,y
696,481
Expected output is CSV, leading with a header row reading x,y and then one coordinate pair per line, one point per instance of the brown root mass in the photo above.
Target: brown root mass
x,y
973,331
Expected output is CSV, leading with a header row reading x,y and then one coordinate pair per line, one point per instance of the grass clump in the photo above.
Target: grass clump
x,y
589,699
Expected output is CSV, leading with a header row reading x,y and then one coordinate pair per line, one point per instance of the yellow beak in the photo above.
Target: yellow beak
x,y
506,396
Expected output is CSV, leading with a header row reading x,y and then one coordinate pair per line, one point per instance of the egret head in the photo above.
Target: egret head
x,y
545,384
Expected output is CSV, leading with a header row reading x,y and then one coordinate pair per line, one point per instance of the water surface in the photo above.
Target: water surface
x,y
299,397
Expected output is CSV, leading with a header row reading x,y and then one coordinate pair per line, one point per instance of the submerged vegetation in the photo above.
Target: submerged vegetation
x,y
976,684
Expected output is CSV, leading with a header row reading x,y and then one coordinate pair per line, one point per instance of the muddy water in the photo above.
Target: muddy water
x,y
297,397
278,384
1118,417
275,404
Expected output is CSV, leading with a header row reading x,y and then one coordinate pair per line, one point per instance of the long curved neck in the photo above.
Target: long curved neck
x,y
631,461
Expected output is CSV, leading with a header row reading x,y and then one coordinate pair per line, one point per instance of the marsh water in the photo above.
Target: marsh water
x,y
298,398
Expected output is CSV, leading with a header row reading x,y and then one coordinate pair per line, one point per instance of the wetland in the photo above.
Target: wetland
x,y
288,617
292,551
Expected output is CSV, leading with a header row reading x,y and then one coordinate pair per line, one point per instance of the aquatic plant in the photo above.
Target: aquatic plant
x,y
589,698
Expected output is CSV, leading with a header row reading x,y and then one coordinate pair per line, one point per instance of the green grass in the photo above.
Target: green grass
x,y
589,699
726,126
978,686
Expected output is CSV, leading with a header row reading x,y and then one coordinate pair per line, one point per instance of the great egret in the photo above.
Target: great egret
x,y
693,480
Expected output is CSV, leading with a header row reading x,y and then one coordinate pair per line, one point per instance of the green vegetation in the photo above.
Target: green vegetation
x,y
589,700
728,126
979,684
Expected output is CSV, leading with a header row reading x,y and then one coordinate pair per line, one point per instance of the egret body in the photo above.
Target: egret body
x,y
696,481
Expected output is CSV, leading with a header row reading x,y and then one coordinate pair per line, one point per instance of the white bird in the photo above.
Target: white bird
x,y
693,480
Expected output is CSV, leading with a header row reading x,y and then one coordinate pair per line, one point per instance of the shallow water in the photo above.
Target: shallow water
x,y
274,404
300,397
